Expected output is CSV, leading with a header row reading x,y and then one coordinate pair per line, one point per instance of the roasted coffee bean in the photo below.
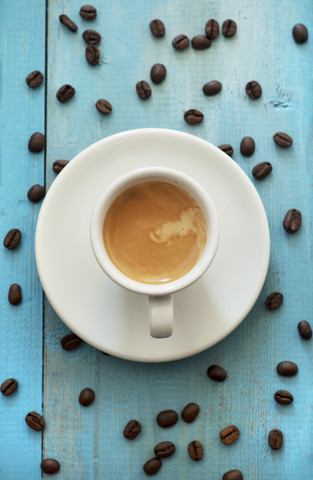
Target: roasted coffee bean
x,y
36,142
68,23
226,148
247,146
152,466
164,449
229,434
50,466
275,439
212,88
15,294
86,397
132,430
300,33
143,90
287,369
282,139
92,54
262,170
274,300
36,193
167,418
88,12
200,42
158,73
12,238
34,79
157,28
253,90
35,421
283,397
58,165
305,330
195,450
212,29
103,106
193,116
217,373
70,341
190,412
65,93
233,475
91,37
9,386
229,28
292,220
180,42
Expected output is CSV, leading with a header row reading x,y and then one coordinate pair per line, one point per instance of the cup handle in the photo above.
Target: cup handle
x,y
161,316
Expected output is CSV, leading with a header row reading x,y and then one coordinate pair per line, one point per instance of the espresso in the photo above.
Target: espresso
x,y
154,232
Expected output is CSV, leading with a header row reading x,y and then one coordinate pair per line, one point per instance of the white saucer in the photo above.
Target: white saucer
x,y
115,320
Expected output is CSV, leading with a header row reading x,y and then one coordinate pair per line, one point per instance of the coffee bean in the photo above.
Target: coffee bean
x,y
190,412
86,397
9,386
233,475
164,449
35,421
229,28
103,106
247,146
217,373
12,238
15,294
88,12
152,466
158,73
229,434
195,450
274,300
157,28
167,418
180,42
275,439
132,430
212,88
70,341
300,33
50,466
226,148
200,42
305,330
282,139
143,90
253,90
283,397
58,165
193,116
34,79
68,23
91,37
65,93
36,193
212,29
292,220
262,170
36,142
92,54
287,369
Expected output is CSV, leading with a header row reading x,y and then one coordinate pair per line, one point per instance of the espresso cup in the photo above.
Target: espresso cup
x,y
180,250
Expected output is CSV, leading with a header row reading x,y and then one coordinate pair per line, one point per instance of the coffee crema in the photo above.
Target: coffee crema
x,y
154,232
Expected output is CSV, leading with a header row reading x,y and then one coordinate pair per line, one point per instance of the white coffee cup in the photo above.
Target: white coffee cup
x,y
160,296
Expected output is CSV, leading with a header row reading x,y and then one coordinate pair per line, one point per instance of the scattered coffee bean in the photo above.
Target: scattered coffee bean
x,y
226,148
143,90
292,220
132,430
229,434
200,42
12,238
212,88
158,73
86,397
212,29
92,55
229,28
167,418
247,146
195,450
50,466
253,90
193,116
287,369
300,33
58,165
233,475
217,373
88,12
36,193
103,106
15,294
164,449
35,421
262,170
305,330
283,397
152,466
70,341
36,142
68,23
275,439
9,386
65,93
282,139
91,37
157,28
34,79
274,300
180,42
190,412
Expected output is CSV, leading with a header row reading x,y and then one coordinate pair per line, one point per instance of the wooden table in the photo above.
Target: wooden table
x,y
88,442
